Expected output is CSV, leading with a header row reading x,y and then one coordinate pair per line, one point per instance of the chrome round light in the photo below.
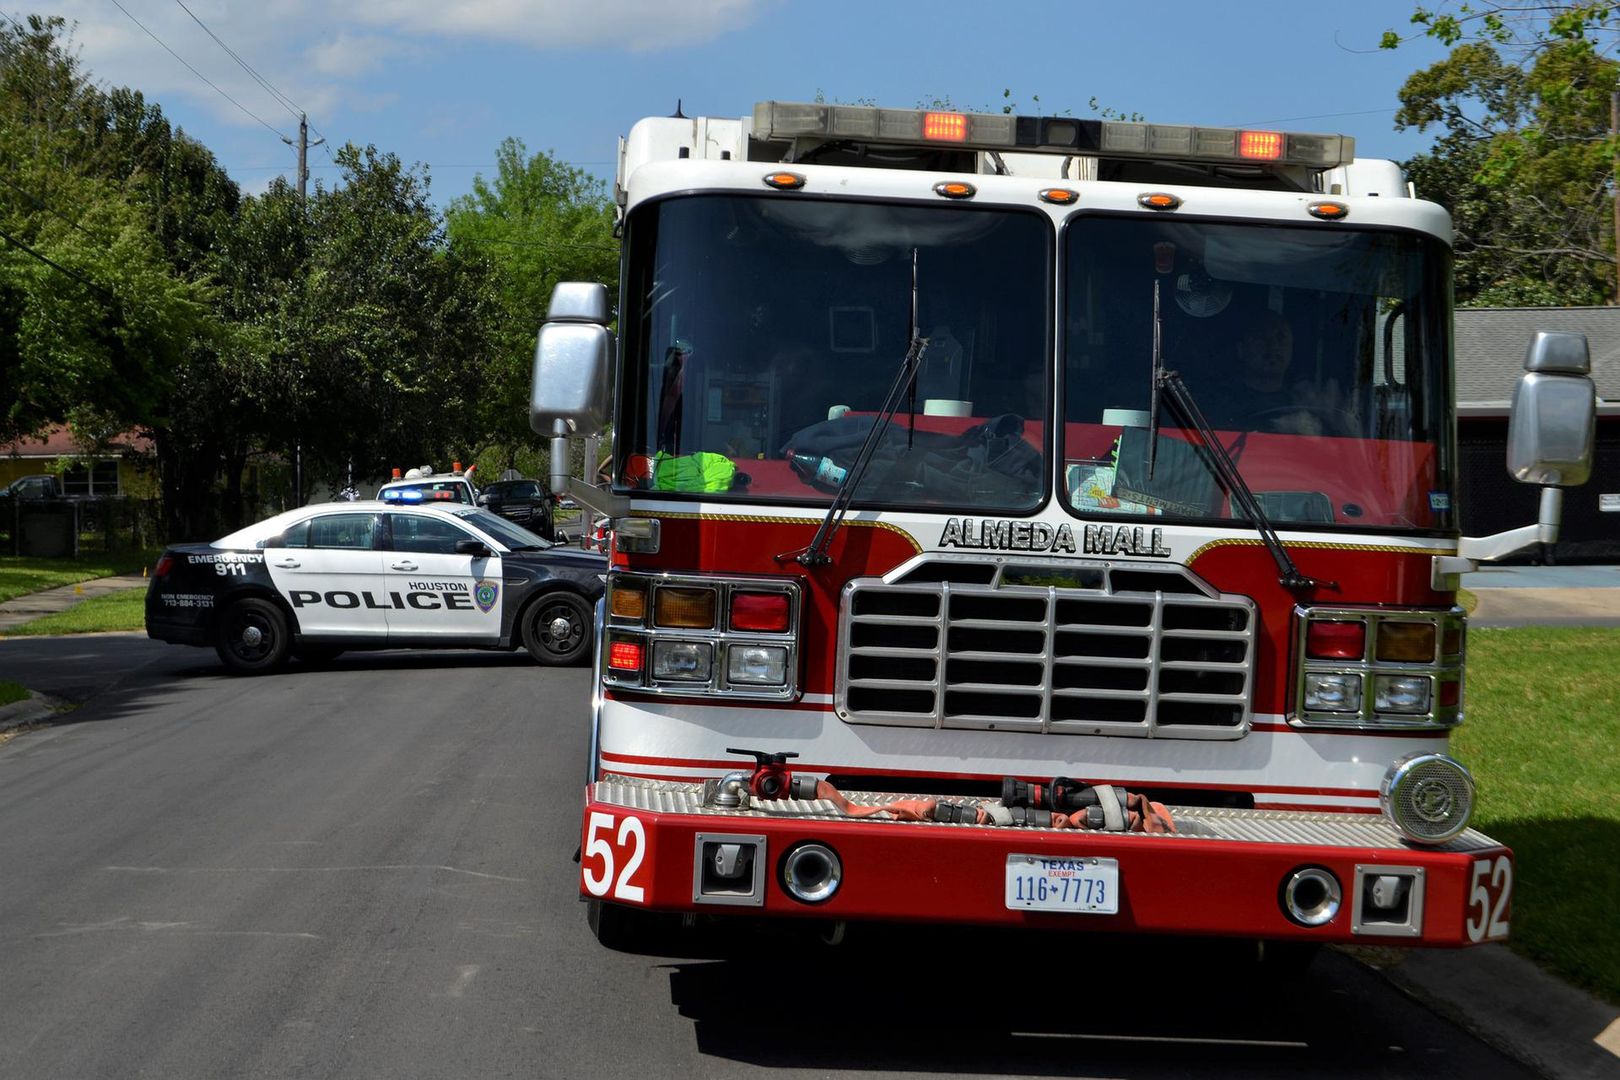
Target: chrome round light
x,y
1311,896
1427,797
812,872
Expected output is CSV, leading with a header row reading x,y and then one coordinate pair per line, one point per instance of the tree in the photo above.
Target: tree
x,y
1525,159
537,222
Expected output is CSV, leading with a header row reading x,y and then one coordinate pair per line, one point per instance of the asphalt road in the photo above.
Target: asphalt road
x,y
365,871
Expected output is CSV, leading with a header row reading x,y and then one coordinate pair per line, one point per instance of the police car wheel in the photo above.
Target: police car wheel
x,y
253,637
557,629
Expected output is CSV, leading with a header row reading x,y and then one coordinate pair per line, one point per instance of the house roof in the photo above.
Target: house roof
x,y
59,442
1491,343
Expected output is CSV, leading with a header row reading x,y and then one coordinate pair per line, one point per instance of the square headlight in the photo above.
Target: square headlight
x,y
1325,692
1401,693
757,665
686,661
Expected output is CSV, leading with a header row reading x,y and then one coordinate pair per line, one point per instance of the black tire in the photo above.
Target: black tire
x,y
557,629
317,654
1286,959
630,930
252,637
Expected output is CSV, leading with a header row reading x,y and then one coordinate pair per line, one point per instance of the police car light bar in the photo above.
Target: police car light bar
x,y
777,120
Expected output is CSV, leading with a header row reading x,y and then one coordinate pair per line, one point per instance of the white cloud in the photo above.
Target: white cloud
x,y
316,52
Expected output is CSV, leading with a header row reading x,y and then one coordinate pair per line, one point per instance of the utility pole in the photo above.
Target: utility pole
x,y
303,185
1614,133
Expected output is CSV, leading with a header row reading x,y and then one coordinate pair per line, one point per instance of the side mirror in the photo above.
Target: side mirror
x,y
476,548
483,500
277,541
1553,421
571,362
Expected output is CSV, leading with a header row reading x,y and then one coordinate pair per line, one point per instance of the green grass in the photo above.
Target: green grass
x,y
11,692
1467,600
1542,735
21,576
122,610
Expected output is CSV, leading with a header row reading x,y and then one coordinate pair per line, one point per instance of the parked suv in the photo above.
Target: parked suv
x,y
523,502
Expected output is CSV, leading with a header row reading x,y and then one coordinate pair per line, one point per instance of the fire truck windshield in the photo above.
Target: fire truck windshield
x,y
763,333
1318,355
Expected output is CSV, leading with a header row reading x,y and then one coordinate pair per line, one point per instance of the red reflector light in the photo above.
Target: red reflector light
x,y
625,656
762,612
1336,640
1265,145
163,565
1450,694
945,127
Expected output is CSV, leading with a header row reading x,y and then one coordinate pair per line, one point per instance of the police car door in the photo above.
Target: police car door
x,y
330,571
441,596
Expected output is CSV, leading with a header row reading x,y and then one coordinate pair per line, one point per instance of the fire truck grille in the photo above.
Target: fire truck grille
x,y
1138,654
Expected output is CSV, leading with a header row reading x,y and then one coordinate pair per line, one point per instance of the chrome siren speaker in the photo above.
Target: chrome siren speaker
x,y
812,872
1427,797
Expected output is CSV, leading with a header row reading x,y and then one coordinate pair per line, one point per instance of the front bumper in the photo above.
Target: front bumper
x,y
1221,874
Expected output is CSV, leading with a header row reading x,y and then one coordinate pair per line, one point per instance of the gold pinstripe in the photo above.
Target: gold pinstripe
x,y
1318,545
759,519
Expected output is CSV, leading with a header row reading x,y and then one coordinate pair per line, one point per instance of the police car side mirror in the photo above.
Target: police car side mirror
x,y
277,541
1553,422
476,548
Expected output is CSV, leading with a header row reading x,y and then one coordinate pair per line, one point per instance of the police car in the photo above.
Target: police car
x,y
313,582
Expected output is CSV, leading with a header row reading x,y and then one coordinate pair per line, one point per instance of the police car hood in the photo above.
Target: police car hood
x,y
569,556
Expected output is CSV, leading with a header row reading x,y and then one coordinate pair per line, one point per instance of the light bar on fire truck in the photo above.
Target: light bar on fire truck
x,y
779,120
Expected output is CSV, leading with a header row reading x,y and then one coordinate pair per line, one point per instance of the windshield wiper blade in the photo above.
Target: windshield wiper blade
x,y
1181,401
905,380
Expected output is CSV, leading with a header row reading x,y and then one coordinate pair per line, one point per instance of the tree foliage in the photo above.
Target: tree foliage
x,y
1524,158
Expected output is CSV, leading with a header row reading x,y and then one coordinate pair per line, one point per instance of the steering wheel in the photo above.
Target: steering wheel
x,y
1334,421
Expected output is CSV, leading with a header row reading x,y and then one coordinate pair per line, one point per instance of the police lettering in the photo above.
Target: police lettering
x,y
425,596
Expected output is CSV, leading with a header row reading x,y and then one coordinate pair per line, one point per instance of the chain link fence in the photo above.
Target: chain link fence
x,y
68,527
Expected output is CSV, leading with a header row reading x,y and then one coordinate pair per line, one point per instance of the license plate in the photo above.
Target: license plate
x,y
1086,884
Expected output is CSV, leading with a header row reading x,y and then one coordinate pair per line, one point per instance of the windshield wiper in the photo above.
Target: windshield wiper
x,y
1169,384
905,384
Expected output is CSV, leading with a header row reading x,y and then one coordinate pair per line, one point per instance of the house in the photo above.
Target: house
x,y
1490,349
119,468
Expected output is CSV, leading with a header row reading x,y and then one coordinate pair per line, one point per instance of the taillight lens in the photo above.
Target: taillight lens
x,y
1336,640
765,613
625,656
164,564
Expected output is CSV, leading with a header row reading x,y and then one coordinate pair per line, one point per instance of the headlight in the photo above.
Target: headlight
x,y
763,665
1427,797
684,660
1333,693
1401,693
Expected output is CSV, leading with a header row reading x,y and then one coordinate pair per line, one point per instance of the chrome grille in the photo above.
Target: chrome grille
x,y
1139,653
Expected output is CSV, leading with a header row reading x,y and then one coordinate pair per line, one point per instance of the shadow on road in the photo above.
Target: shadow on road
x,y
895,1000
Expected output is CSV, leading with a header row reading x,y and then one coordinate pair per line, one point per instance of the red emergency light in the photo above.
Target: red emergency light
x,y
945,127
625,656
1265,145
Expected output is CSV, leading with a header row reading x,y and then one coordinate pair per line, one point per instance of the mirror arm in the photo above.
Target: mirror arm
x,y
1473,550
601,500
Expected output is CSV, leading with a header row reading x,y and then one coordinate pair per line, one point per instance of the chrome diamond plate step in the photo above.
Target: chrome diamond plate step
x,y
1192,822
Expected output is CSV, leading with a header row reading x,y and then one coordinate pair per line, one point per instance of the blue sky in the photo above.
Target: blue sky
x,y
443,81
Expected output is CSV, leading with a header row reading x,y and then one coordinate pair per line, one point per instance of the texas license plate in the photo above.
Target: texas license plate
x,y
1048,883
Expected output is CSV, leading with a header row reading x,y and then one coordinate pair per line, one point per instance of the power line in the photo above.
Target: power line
x,y
285,101
54,265
197,73
42,205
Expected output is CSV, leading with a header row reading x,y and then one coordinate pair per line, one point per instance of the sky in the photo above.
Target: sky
x,y
442,82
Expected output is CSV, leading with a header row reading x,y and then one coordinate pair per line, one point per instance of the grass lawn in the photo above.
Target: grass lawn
x,y
1467,600
122,610
10,692
20,576
1541,737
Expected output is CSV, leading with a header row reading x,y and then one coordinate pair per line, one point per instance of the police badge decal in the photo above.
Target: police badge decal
x,y
486,594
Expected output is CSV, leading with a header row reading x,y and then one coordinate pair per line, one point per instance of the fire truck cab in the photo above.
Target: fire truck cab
x,y
1034,521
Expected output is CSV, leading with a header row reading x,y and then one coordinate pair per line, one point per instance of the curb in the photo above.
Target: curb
x,y
31,710
1511,1004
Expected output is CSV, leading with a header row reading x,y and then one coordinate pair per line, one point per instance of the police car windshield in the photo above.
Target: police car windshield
x,y
513,536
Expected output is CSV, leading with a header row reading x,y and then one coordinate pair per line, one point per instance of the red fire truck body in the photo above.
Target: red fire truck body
x,y
989,334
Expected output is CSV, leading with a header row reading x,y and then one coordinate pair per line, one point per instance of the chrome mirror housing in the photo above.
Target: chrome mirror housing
x,y
569,391
1554,418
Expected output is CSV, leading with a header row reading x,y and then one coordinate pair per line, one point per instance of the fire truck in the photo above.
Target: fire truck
x,y
1033,521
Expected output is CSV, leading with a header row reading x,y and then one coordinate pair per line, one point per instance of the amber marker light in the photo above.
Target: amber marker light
x,y
784,181
1328,211
955,189
628,602
1405,642
1260,145
1061,195
686,609
1158,200
945,127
